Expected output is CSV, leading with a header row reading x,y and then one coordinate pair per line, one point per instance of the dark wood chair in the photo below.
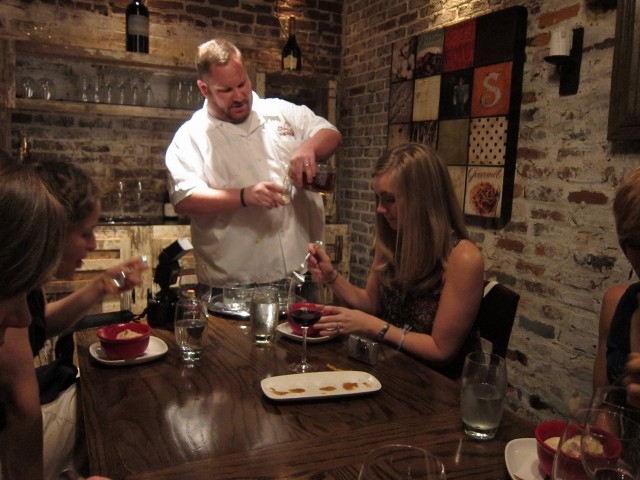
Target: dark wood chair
x,y
496,316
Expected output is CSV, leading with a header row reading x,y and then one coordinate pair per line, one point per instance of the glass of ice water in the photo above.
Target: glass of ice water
x,y
191,327
484,388
264,312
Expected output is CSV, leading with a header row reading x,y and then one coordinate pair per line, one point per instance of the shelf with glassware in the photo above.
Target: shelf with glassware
x,y
80,80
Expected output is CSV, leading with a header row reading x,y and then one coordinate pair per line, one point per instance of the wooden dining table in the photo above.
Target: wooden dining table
x,y
166,420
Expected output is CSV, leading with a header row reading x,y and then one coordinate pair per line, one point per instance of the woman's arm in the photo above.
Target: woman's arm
x,y
459,303
365,299
21,438
610,301
64,313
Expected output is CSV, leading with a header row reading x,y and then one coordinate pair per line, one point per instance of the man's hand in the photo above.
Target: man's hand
x,y
265,195
303,161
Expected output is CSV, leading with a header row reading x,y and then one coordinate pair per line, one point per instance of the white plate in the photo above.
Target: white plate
x,y
285,329
319,385
157,347
521,457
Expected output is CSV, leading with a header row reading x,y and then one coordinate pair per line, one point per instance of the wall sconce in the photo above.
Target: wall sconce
x,y
565,52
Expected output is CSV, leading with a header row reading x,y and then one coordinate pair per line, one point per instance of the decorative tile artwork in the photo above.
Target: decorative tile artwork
x,y
459,89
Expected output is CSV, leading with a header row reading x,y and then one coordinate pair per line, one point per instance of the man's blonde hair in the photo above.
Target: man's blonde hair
x,y
215,52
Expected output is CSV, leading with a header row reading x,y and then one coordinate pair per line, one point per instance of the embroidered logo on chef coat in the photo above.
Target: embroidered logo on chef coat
x,y
283,129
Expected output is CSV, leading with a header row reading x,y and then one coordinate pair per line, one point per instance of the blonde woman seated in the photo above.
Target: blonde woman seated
x,y
426,283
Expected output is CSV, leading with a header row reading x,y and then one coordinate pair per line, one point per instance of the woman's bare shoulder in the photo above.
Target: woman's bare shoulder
x,y
614,293
466,252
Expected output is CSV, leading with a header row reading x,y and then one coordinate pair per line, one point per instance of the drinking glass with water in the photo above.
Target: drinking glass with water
x,y
191,327
264,312
484,388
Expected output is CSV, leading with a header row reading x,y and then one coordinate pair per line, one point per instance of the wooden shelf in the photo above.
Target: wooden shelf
x,y
101,109
106,57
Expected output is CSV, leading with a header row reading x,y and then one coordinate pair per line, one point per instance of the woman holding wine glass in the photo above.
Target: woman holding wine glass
x,y
426,283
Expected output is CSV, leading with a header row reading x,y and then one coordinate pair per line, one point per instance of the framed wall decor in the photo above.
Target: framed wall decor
x,y
459,89
624,107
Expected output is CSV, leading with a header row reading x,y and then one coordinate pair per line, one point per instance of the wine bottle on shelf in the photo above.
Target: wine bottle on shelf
x,y
168,212
137,27
291,54
24,151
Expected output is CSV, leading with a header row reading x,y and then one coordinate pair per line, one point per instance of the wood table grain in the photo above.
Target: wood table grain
x,y
164,420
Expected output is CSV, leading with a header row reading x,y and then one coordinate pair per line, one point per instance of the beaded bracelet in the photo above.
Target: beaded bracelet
x,y
335,277
242,202
404,332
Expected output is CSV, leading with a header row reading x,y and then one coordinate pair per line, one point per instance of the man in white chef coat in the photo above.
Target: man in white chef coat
x,y
226,166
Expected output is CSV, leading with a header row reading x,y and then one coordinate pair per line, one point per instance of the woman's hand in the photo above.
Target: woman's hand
x,y
345,321
125,276
320,264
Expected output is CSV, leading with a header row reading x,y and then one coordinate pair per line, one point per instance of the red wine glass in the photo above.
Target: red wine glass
x,y
305,303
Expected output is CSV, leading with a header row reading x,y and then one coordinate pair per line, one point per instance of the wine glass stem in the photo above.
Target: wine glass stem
x,y
304,345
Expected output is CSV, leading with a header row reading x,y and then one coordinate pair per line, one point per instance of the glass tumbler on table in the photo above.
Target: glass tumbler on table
x,y
191,327
263,312
305,303
402,462
483,392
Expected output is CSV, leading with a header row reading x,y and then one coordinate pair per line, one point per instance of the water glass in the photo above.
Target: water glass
x,y
483,393
264,312
191,327
401,462
234,297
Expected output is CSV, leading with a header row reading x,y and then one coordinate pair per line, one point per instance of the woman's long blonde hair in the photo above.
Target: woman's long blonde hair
x,y
429,216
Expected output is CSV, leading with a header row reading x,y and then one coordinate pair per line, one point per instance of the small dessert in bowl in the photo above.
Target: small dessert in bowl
x,y
547,436
573,441
122,341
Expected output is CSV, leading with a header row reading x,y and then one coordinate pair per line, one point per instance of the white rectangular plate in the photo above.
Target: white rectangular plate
x,y
319,385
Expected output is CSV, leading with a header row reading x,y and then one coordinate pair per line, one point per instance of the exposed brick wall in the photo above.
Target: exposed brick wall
x,y
127,149
559,251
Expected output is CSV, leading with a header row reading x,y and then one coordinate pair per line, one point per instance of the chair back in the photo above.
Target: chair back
x,y
496,316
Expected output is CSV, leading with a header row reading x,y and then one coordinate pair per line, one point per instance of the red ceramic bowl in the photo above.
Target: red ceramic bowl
x,y
123,348
543,431
295,328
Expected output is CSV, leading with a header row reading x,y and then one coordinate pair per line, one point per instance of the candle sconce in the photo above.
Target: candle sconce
x,y
565,53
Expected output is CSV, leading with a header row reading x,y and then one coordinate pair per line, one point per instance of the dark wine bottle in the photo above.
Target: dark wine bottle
x,y
24,151
291,54
137,27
